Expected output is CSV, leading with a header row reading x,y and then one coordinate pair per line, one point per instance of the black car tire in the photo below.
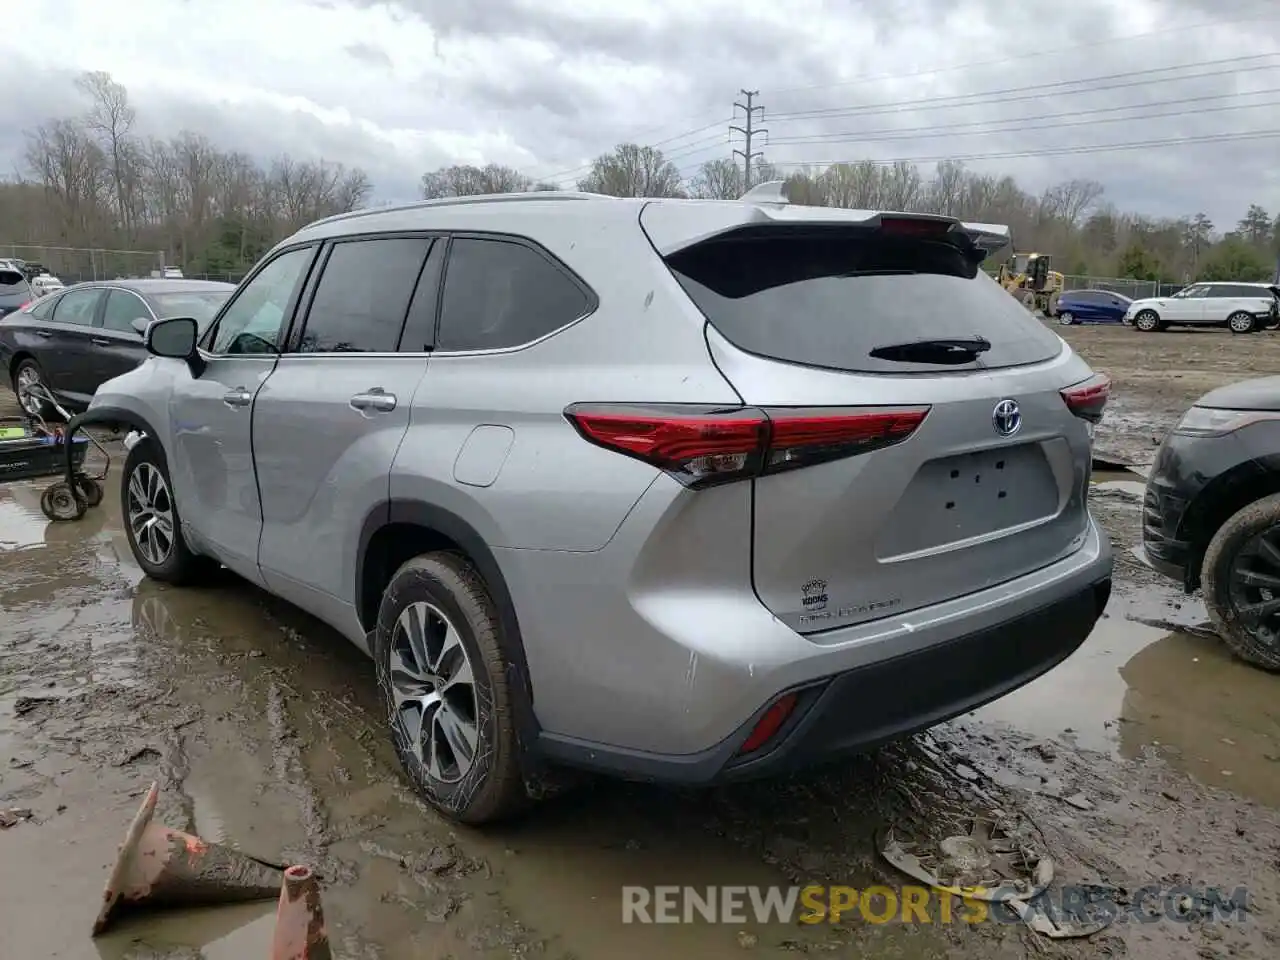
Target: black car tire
x,y
492,788
1218,575
1066,318
1147,321
45,412
181,566
1241,322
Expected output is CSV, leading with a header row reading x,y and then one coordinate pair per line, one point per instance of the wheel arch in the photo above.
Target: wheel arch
x,y
1220,499
116,416
399,529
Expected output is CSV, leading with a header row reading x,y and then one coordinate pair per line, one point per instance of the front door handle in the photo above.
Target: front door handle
x,y
239,397
44,333
101,341
376,399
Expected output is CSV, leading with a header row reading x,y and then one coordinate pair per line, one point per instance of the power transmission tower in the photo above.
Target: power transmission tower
x,y
749,132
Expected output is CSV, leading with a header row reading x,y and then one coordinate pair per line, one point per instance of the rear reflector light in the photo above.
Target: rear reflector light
x,y
1087,400
702,446
769,724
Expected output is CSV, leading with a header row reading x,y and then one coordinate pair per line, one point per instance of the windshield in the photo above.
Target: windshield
x,y
200,305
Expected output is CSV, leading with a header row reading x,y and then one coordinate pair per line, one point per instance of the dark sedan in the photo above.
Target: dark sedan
x,y
78,338
1092,306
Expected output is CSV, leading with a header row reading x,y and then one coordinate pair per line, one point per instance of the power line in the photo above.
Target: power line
x,y
1239,137
749,132
1036,55
640,136
1001,95
931,133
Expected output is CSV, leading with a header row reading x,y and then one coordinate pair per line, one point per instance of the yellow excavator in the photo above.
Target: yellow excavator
x,y
1030,278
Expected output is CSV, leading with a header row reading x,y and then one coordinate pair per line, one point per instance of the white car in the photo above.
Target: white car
x,y
45,283
1241,307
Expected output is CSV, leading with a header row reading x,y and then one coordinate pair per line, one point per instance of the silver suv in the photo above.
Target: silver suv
x,y
683,491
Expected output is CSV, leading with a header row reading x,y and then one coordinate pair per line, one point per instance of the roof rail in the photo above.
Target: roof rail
x,y
454,201
771,191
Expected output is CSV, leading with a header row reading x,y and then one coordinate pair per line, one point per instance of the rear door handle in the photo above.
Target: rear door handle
x,y
239,397
376,399
101,341
44,333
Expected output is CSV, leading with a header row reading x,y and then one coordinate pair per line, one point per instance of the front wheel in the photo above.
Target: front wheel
x,y
151,520
26,376
1147,321
1066,318
1241,322
1241,579
443,680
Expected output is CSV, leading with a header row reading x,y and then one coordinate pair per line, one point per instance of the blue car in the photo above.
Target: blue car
x,y
1092,306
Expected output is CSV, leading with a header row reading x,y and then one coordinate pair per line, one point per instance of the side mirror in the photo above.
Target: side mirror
x,y
176,339
140,325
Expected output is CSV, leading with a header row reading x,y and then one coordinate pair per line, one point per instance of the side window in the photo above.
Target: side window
x,y
1251,292
1085,296
44,309
77,306
362,297
122,309
1194,293
253,322
503,294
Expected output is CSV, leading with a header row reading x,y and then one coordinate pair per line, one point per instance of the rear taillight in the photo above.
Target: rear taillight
x,y
914,227
702,446
1087,400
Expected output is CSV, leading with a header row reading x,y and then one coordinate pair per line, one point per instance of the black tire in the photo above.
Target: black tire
x,y
45,412
90,489
1066,318
492,787
1241,322
179,566
1224,592
1147,321
61,503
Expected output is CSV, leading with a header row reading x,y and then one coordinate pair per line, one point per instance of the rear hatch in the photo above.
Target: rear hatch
x,y
14,291
957,426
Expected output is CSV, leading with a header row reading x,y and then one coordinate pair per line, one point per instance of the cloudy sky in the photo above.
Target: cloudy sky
x,y
545,85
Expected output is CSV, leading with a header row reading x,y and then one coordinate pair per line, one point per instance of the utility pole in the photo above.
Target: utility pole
x,y
748,132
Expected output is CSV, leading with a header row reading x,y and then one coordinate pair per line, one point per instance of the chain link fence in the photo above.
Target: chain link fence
x,y
1133,289
75,264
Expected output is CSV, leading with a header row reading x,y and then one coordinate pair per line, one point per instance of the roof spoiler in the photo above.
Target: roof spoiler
x,y
989,238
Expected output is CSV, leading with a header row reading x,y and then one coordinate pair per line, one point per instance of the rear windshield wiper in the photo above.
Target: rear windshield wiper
x,y
954,350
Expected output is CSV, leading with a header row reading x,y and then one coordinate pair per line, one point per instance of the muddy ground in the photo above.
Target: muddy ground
x,y
1149,757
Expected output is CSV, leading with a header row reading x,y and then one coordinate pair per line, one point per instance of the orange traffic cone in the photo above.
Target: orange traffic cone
x,y
300,930
159,867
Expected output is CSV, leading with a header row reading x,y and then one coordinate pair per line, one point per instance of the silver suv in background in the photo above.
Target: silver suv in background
x,y
678,490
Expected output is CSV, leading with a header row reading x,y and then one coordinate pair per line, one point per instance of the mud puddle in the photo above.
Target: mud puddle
x,y
264,731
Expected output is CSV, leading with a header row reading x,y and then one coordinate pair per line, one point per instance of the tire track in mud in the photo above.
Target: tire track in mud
x,y
290,773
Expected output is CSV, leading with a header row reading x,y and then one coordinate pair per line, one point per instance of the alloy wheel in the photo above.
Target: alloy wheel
x,y
434,688
150,509
1255,586
29,377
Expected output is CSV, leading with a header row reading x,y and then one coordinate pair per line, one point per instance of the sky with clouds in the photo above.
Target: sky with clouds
x,y
544,85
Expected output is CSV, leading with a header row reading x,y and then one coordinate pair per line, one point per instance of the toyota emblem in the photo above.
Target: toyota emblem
x,y
1006,418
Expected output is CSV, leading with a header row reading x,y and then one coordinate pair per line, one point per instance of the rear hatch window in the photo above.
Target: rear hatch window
x,y
829,298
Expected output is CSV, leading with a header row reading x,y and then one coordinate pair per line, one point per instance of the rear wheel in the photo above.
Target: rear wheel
x,y
1241,577
1146,321
443,679
1241,322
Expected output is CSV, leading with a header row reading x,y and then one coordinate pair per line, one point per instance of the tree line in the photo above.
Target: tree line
x,y
1086,234
90,180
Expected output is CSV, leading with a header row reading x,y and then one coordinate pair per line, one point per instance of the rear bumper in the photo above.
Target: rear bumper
x,y
862,705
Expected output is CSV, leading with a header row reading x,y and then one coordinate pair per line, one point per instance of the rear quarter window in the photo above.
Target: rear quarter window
x,y
828,301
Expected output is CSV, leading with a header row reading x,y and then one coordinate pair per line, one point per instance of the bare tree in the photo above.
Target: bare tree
x,y
465,180
110,119
633,171
718,180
